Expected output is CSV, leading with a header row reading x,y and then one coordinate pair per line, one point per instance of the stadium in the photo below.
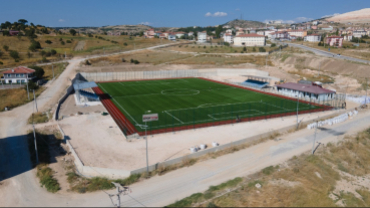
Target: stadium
x,y
211,108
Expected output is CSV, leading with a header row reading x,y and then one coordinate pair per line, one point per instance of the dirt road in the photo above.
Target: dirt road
x,y
19,187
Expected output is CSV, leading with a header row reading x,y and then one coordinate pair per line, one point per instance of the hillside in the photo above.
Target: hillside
x,y
359,16
244,23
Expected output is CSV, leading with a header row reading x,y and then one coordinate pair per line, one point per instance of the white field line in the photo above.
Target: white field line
x,y
125,111
174,117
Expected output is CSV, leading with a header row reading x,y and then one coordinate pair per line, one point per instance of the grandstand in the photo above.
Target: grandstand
x,y
82,96
254,83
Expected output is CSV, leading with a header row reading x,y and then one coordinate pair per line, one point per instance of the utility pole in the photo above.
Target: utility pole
x,y
4,88
28,92
366,92
52,67
314,139
120,190
34,98
34,136
65,55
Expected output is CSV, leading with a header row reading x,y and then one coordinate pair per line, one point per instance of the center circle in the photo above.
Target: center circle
x,y
180,92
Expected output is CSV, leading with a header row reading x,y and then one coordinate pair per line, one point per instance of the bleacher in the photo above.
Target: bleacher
x,y
89,95
254,83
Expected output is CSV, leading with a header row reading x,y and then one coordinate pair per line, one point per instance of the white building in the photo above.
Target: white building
x,y
261,32
171,36
359,33
348,37
298,33
228,37
18,75
250,40
202,37
181,34
268,33
308,91
313,38
191,34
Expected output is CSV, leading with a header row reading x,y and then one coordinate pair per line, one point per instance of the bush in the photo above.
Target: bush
x,y
68,41
132,61
125,44
34,45
62,42
1,54
14,55
48,42
204,46
87,62
227,44
46,179
53,52
244,48
261,49
5,47
123,60
42,53
254,49
39,71
136,62
1,63
273,45
44,60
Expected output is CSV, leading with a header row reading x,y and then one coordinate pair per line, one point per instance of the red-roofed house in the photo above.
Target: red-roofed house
x,y
250,40
310,91
19,75
13,32
149,33
335,41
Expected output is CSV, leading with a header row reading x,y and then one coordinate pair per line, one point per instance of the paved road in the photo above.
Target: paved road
x,y
20,188
328,54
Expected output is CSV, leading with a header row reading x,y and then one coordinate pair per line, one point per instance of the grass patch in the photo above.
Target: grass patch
x,y
45,174
15,97
40,117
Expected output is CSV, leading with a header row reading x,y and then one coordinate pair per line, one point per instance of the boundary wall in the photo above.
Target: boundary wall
x,y
165,74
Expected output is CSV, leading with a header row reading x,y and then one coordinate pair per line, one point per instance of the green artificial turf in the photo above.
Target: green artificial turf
x,y
191,101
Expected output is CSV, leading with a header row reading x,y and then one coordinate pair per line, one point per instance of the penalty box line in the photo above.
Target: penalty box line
x,y
174,117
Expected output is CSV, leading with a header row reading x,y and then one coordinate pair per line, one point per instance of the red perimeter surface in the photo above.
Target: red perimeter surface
x,y
128,128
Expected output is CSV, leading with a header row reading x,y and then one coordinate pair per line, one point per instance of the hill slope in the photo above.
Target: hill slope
x,y
359,16
244,23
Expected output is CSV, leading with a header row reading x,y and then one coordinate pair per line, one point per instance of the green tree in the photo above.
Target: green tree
x,y
48,42
5,47
53,52
34,45
73,32
254,49
1,54
244,48
141,33
6,33
22,21
14,55
125,44
273,45
29,55
218,31
39,72
42,53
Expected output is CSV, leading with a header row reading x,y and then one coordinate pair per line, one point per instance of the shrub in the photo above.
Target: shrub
x,y
14,55
125,44
46,179
254,49
87,62
123,60
48,42
34,45
44,59
62,42
1,63
42,53
204,46
273,45
53,52
1,54
132,61
68,41
136,62
244,48
5,47
261,49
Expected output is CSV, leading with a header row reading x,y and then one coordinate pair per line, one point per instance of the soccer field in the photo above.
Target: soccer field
x,y
193,101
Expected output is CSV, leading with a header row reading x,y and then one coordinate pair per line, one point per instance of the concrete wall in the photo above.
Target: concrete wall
x,y
145,75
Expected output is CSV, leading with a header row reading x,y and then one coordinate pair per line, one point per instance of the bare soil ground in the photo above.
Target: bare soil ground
x,y
106,146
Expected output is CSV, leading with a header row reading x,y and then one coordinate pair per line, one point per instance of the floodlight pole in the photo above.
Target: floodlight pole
x,y
314,139
146,144
297,109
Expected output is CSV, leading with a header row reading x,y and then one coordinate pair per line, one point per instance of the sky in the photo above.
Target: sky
x,y
169,13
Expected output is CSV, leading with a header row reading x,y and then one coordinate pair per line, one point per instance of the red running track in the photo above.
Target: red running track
x,y
128,128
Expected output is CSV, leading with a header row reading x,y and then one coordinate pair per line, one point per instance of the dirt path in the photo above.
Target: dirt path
x,y
80,45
